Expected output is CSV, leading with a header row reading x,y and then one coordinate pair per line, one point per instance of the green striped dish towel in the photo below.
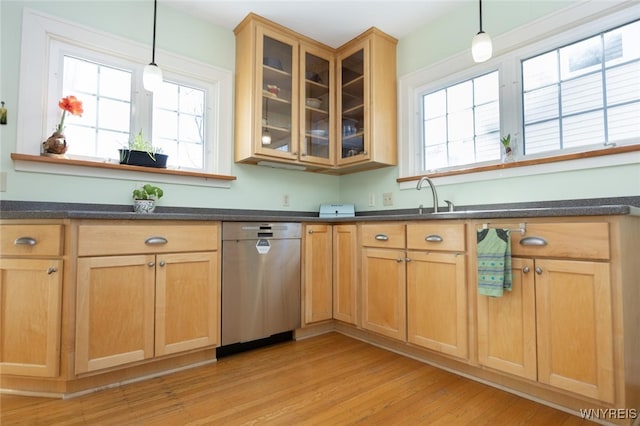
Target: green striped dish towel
x,y
494,261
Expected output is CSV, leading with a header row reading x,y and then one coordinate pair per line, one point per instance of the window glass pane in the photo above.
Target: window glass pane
x,y
436,157
581,58
460,97
624,122
486,89
80,76
113,115
435,131
583,129
115,83
460,125
541,104
435,104
540,71
582,94
542,137
621,45
623,84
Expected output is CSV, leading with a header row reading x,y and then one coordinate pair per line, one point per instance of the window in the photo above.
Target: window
x,y
190,118
575,91
585,93
462,123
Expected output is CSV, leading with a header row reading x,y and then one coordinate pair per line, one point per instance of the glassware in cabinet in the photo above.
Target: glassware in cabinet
x,y
353,99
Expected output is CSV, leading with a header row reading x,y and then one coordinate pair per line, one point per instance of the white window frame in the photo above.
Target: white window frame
x,y
553,31
38,109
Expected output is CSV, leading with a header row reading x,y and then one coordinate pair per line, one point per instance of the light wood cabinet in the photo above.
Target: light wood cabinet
x,y
367,102
31,279
139,306
383,292
556,325
317,275
437,288
288,87
345,273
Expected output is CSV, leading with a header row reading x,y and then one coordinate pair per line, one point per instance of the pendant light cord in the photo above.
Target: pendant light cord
x,y
480,1
153,50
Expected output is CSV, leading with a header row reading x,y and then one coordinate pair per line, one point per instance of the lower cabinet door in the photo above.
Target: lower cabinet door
x,y
187,302
30,312
345,273
574,323
507,325
437,302
114,311
317,274
384,292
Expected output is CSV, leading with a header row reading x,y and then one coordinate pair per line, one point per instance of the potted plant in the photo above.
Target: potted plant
x,y
141,152
144,199
507,151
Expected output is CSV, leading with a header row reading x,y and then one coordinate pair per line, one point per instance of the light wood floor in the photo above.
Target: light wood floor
x,y
325,380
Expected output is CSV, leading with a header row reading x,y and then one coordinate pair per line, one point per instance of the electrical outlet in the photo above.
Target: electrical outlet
x,y
285,200
372,199
387,199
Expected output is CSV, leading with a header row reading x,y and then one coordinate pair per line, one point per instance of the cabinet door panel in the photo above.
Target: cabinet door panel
x,y
187,302
30,314
345,271
436,302
384,292
507,325
574,324
114,319
317,273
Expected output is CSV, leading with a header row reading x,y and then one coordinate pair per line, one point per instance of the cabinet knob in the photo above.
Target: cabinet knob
x,y
25,241
525,270
538,270
310,231
399,260
162,263
51,270
407,259
151,264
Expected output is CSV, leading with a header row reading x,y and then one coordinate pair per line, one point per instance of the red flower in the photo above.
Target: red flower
x,y
69,104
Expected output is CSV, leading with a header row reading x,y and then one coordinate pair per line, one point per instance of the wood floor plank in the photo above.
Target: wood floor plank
x,y
325,380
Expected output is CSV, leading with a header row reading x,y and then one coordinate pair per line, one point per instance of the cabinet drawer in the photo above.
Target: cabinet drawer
x,y
428,236
31,240
129,239
574,240
383,235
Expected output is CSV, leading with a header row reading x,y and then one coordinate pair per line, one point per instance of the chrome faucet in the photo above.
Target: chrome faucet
x,y
433,191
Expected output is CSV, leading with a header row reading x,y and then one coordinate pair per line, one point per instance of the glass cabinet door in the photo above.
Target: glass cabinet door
x,y
352,101
317,106
278,96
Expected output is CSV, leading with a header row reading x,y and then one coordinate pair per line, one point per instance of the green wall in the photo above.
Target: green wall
x,y
263,188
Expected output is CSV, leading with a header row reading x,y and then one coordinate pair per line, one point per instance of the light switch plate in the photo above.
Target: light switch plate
x,y
387,199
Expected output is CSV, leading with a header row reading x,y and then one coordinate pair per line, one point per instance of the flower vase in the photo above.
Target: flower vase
x,y
55,145
506,154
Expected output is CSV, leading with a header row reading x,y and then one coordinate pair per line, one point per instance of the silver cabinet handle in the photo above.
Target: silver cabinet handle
x,y
407,259
162,263
310,231
533,241
156,240
382,237
51,270
399,260
539,270
25,241
525,270
434,238
151,264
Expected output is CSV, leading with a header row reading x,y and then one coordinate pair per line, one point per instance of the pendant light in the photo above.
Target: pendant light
x,y
152,75
481,47
266,135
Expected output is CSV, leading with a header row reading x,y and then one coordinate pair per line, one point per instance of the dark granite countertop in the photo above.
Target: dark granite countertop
x,y
589,207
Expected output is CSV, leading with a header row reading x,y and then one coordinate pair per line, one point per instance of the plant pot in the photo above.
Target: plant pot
x,y
56,144
142,158
144,206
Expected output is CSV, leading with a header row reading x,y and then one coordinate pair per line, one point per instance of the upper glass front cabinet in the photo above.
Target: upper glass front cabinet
x,y
277,96
352,105
317,108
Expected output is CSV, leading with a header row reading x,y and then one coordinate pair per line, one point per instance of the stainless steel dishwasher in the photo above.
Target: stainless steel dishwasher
x,y
260,283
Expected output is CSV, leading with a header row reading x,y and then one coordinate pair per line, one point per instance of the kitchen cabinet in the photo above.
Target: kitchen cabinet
x,y
145,291
31,279
558,318
345,273
287,90
437,287
383,294
317,275
367,101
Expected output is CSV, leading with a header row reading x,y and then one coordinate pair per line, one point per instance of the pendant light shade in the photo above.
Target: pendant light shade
x,y
481,47
152,75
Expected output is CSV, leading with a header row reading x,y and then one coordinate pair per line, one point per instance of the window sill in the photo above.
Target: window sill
x,y
114,166
531,162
